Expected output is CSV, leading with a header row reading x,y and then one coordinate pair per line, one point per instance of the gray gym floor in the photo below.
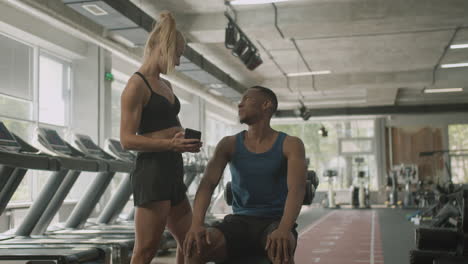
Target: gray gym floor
x,y
397,233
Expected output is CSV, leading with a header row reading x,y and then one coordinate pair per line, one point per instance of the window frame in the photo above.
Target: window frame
x,y
67,87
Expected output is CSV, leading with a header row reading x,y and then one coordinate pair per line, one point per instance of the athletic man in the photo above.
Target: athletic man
x,y
268,185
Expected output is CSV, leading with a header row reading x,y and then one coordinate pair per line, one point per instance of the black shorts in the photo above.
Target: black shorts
x,y
158,176
246,235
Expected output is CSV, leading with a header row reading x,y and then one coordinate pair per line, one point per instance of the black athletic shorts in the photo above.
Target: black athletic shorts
x,y
247,235
158,176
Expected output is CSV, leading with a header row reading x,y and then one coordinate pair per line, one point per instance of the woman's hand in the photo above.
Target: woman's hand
x,y
180,144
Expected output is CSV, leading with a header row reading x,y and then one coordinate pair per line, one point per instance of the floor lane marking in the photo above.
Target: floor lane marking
x,y
372,244
317,223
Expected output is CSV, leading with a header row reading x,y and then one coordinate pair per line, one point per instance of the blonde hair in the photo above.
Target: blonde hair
x,y
164,35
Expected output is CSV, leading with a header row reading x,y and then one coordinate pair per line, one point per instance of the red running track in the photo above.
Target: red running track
x,y
341,237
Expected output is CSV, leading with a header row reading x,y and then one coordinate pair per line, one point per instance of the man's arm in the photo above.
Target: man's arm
x,y
295,155
213,172
278,245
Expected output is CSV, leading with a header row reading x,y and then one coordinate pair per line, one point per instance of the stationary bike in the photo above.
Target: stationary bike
x,y
331,176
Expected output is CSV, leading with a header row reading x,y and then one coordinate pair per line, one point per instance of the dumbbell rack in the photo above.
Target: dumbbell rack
x,y
444,245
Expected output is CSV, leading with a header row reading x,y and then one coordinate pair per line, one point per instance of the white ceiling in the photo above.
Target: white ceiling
x,y
380,52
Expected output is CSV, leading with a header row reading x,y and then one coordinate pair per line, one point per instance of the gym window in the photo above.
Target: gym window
x,y
458,157
35,89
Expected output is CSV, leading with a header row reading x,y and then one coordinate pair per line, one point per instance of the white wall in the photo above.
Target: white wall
x,y
85,94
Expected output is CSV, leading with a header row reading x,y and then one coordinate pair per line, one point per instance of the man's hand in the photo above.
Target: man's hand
x,y
196,235
278,247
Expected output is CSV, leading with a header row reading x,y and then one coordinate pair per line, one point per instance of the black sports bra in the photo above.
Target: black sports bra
x,y
158,113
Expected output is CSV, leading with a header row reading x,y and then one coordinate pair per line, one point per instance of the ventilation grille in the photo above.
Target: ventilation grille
x,y
95,10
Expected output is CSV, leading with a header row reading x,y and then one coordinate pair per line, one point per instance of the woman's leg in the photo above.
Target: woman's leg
x,y
178,223
150,222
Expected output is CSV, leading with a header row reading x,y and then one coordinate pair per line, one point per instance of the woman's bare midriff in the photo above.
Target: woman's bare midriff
x,y
167,133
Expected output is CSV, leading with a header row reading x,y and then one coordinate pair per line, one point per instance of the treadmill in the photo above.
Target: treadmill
x,y
114,147
117,248
104,225
79,222
15,160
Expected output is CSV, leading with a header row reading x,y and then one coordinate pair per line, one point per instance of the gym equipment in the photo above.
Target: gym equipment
x,y
445,245
331,177
392,182
409,175
15,163
360,197
308,198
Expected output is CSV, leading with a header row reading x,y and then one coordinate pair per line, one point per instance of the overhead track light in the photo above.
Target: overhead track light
x,y
231,36
241,46
254,62
323,131
304,112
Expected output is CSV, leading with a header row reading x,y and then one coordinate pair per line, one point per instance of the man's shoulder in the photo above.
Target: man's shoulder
x,y
292,140
228,141
292,144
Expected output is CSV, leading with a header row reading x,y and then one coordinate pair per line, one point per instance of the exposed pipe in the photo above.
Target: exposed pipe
x,y
276,64
446,48
64,23
276,20
305,62
381,34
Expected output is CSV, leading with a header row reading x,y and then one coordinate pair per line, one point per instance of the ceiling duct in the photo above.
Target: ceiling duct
x,y
128,21
377,110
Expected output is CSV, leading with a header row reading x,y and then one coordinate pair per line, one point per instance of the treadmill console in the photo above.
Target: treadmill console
x,y
53,141
116,148
87,144
7,141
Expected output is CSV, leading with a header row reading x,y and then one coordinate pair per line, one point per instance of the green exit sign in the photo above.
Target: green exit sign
x,y
109,76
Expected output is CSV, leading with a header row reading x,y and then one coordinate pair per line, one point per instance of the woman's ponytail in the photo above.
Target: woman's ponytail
x,y
164,35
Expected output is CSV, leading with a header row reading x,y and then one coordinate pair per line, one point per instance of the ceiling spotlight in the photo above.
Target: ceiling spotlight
x,y
254,62
247,55
240,47
304,112
231,36
323,131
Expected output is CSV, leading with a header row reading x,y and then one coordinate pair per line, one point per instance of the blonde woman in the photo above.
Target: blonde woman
x,y
150,125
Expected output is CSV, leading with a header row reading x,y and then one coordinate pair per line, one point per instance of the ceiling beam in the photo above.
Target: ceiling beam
x,y
379,110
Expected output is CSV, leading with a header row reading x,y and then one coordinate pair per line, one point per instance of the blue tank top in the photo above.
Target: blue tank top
x,y
259,185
